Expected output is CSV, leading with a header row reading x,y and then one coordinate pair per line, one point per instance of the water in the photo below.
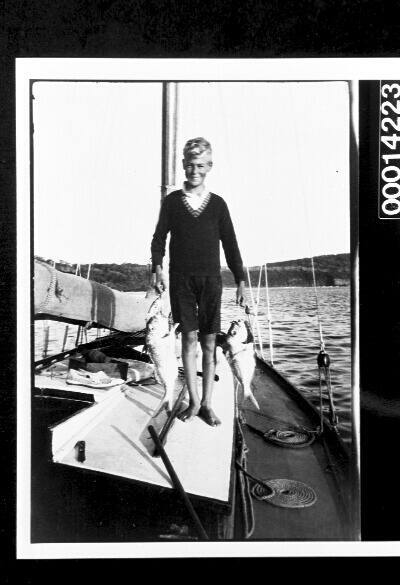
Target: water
x,y
295,339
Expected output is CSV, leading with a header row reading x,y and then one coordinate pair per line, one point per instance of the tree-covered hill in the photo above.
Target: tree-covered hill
x,y
330,270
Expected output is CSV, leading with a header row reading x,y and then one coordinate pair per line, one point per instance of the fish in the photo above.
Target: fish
x,y
160,344
239,352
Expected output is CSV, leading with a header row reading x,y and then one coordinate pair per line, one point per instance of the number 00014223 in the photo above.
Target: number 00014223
x,y
389,151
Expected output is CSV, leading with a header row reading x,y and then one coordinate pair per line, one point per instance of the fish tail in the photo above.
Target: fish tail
x,y
248,395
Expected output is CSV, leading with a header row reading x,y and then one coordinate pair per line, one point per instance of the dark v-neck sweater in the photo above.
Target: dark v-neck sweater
x,y
195,237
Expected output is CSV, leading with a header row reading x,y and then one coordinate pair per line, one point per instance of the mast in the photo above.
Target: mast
x,y
169,133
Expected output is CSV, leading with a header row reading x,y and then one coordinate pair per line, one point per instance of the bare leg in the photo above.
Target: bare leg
x,y
189,348
209,359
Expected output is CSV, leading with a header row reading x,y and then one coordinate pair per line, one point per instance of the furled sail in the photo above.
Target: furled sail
x,y
70,298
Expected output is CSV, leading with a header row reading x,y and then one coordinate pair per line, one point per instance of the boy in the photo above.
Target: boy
x,y
198,220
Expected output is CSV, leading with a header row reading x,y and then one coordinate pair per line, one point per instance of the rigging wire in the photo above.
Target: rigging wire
x,y
253,301
321,337
255,314
259,285
271,345
306,216
323,359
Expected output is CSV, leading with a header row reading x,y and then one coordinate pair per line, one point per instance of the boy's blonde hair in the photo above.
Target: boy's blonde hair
x,y
195,147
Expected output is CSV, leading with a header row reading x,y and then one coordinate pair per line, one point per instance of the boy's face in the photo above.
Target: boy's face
x,y
196,168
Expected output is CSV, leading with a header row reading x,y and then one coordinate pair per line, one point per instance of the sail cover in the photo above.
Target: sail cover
x,y
67,297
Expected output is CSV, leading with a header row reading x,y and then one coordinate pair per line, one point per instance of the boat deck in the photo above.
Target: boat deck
x,y
118,445
117,441
312,465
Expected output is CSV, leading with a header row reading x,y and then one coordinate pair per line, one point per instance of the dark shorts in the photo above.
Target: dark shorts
x,y
196,302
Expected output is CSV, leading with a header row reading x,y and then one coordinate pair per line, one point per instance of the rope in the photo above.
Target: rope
x,y
323,362
248,512
253,477
258,287
321,337
287,425
267,416
332,410
285,493
255,314
334,418
227,143
271,346
323,358
81,332
308,231
321,423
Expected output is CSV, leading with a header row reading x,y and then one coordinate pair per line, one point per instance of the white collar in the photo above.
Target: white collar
x,y
202,195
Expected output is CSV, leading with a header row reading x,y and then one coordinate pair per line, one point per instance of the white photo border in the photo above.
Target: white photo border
x,y
266,70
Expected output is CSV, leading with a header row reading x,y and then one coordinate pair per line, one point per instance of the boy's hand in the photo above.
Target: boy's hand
x,y
161,283
241,294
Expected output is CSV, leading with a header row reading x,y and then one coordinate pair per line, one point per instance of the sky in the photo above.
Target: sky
x,y
280,153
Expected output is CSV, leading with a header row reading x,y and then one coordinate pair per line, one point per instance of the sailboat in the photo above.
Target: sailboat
x,y
106,469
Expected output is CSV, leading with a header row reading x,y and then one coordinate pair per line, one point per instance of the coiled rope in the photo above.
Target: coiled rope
x,y
288,435
286,493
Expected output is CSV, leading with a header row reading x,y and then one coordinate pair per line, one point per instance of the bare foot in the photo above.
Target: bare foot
x,y
208,415
189,413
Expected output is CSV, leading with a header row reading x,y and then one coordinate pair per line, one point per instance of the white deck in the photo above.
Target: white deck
x,y
118,442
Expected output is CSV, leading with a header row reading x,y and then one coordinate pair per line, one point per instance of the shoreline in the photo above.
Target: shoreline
x,y
331,270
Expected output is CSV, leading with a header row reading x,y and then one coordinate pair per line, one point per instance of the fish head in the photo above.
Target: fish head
x,y
158,306
239,332
158,326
